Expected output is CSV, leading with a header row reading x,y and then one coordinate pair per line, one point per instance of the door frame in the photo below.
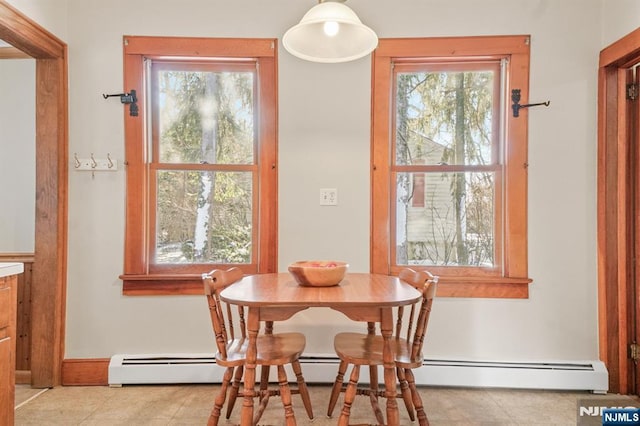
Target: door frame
x,y
616,170
48,294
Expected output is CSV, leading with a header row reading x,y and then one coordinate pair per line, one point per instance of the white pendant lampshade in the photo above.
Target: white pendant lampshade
x,y
330,32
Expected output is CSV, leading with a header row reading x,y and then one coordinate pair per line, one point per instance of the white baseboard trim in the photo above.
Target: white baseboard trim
x,y
201,368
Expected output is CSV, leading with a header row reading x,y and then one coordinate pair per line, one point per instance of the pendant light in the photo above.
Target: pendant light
x,y
330,32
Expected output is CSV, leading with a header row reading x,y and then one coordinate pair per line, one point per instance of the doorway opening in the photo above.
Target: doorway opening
x,y
619,212
48,292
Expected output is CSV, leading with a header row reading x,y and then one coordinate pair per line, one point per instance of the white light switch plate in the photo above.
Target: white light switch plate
x,y
328,197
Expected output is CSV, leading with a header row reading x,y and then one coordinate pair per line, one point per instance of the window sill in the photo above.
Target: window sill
x,y
191,284
162,285
499,287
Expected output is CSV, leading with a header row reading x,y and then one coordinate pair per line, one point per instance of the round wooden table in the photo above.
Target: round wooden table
x,y
360,296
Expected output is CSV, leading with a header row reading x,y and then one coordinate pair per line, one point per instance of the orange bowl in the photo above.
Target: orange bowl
x,y
318,273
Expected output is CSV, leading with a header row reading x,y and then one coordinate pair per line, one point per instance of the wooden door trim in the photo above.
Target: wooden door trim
x,y
50,269
615,242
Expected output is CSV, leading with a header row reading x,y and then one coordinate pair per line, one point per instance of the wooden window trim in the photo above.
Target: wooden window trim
x,y
137,278
495,166
513,281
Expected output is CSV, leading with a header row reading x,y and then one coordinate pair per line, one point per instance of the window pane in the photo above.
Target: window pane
x,y
205,117
204,217
454,225
445,118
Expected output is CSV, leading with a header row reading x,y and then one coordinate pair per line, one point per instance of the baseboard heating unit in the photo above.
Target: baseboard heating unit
x,y
591,376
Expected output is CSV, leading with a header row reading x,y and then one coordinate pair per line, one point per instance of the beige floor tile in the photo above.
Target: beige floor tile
x,y
26,392
182,405
462,405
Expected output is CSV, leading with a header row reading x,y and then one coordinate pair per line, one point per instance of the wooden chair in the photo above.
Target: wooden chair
x,y
231,340
360,349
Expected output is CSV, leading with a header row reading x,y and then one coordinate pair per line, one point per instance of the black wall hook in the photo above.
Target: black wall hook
x,y
127,98
515,98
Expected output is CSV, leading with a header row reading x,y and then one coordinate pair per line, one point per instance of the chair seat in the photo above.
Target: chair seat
x,y
366,349
273,349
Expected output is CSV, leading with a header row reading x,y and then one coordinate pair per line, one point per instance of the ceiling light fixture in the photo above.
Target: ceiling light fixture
x,y
330,32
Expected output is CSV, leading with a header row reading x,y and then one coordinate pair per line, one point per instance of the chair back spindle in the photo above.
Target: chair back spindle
x,y
399,322
426,283
222,319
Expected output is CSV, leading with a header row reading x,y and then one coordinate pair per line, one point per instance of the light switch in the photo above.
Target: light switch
x,y
328,197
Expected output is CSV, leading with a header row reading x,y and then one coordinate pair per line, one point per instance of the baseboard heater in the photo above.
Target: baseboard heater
x,y
201,368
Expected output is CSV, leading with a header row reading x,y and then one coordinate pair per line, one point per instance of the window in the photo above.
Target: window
x,y
449,162
201,161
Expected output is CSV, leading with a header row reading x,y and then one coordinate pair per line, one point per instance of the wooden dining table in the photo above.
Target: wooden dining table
x,y
361,297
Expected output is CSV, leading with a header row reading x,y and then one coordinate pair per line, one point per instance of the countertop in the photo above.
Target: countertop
x,y
10,268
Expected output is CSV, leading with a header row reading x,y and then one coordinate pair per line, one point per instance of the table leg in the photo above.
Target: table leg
x,y
386,328
253,325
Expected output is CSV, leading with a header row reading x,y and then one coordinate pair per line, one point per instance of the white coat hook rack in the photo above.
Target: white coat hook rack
x,y
94,164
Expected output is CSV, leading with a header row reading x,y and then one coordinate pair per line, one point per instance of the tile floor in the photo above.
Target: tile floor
x,y
191,404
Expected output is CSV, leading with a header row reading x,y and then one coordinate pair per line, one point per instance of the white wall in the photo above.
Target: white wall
x,y
619,17
17,155
324,142
50,15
